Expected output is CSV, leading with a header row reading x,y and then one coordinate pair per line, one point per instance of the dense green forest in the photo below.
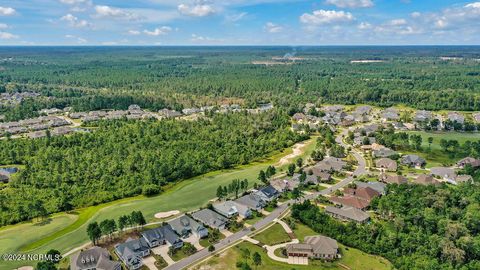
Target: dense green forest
x,y
124,158
156,77
417,227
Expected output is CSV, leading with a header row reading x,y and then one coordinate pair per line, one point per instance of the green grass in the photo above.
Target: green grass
x,y
67,231
352,258
273,235
253,219
461,137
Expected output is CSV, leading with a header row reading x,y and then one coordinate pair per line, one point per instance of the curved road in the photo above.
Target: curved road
x,y
228,241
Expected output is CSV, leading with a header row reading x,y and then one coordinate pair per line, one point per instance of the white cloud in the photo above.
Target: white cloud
x,y
272,28
415,14
3,26
74,21
74,2
320,17
473,5
364,26
78,40
236,17
159,31
7,11
107,11
398,22
199,10
134,32
351,3
6,35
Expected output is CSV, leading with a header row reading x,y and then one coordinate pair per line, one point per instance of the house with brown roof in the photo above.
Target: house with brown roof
x,y
350,201
386,164
468,161
426,179
315,247
393,179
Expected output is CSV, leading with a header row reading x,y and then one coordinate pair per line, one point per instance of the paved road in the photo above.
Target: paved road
x,y
204,253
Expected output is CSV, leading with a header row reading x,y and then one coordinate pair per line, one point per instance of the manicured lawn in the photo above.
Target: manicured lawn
x,y
273,235
252,220
461,137
68,231
352,258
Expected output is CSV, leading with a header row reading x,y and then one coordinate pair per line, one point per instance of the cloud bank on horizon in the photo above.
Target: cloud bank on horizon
x,y
239,22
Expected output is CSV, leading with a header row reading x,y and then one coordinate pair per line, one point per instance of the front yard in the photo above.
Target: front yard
x,y
273,235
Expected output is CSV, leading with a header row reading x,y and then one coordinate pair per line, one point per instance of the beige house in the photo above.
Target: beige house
x,y
315,247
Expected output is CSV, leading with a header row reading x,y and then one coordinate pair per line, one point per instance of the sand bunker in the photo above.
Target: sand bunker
x,y
25,268
297,151
167,214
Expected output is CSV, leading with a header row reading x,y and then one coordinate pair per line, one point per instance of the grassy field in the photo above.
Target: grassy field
x,y
67,231
435,156
352,258
273,235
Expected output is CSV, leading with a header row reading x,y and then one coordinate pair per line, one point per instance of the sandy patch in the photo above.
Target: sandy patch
x,y
297,151
167,214
25,268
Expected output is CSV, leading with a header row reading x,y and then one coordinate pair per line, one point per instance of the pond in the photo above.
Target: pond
x,y
8,170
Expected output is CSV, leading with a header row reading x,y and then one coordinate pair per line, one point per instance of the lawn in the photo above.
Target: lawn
x,y
352,258
461,137
67,231
273,235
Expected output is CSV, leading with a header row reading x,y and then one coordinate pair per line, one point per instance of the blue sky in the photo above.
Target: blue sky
x,y
239,22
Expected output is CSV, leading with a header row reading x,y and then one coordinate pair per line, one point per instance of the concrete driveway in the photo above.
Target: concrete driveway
x,y
150,262
194,240
163,251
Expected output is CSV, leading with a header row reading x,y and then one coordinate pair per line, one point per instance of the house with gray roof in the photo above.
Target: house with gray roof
x,y
252,201
184,226
363,110
468,161
422,116
211,219
456,117
267,193
413,161
93,258
390,114
161,236
231,208
348,214
314,247
330,164
383,152
132,252
445,173
284,184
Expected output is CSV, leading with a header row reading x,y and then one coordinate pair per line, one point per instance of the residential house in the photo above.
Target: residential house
x,y
94,258
447,174
363,110
210,218
350,201
426,179
363,140
476,117
37,134
314,247
413,161
329,164
231,209
184,226
267,193
252,201
475,163
284,184
132,252
390,114
377,186
456,117
299,117
348,214
161,236
386,164
169,113
422,116
383,153
365,193
393,179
